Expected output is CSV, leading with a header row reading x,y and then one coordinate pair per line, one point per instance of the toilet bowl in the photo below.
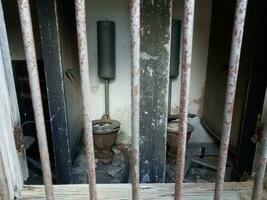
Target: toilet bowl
x,y
172,133
105,132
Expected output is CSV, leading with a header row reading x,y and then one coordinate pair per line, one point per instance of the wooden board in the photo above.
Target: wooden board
x,y
4,187
198,191
9,118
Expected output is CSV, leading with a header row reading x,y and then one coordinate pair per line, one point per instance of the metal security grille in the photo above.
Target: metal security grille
x,y
238,27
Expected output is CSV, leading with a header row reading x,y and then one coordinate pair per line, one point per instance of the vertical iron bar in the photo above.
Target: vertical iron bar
x,y
238,29
85,87
261,166
107,97
135,93
30,54
188,23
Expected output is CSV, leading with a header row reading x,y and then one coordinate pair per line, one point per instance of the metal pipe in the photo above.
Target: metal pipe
x,y
107,97
238,28
135,93
261,166
30,54
85,87
188,23
170,97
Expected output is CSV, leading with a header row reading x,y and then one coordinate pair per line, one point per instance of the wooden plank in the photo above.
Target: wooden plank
x,y
154,76
9,117
4,46
4,191
233,190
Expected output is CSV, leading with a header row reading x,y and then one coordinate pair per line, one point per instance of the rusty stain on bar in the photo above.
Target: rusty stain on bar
x,y
85,87
238,29
184,95
30,54
261,166
135,94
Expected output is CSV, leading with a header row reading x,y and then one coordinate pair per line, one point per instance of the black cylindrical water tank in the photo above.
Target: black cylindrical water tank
x,y
175,48
106,49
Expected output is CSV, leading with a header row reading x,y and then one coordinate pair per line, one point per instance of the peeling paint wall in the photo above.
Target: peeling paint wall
x,y
155,22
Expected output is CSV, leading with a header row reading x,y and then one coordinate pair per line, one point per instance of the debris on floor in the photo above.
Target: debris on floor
x,y
115,172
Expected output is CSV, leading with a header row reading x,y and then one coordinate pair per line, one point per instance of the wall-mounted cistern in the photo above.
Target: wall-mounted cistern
x,y
105,130
175,57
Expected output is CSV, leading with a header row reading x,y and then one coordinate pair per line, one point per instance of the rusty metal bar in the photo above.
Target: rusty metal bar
x,y
238,28
184,95
85,87
135,94
261,166
30,54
